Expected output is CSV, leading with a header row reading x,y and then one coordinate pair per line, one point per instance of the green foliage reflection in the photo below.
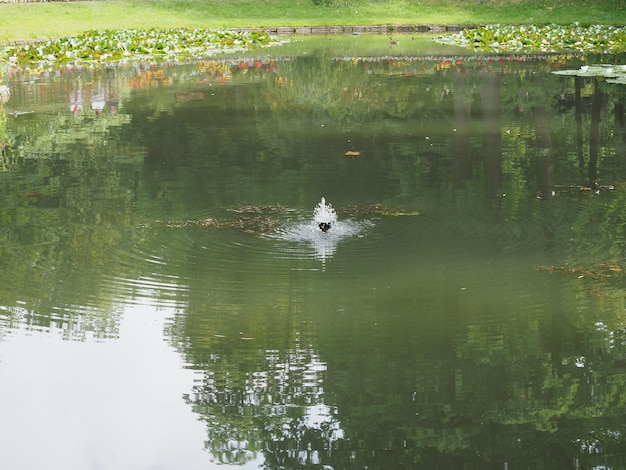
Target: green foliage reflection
x,y
447,346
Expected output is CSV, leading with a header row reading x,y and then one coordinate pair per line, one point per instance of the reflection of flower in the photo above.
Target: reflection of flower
x,y
5,94
76,101
98,101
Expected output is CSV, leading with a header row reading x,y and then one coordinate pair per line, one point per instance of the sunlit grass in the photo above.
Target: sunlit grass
x,y
54,19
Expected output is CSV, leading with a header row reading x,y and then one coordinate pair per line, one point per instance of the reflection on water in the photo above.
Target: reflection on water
x,y
465,309
92,404
324,244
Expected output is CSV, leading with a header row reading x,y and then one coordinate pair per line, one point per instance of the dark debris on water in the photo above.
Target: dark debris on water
x,y
261,220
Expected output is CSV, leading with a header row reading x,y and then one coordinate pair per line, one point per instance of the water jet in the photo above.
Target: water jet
x,y
324,216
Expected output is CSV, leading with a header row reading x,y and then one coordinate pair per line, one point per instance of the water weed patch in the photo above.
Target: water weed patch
x,y
93,47
540,38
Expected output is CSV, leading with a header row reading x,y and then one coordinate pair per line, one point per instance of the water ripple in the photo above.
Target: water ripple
x,y
305,239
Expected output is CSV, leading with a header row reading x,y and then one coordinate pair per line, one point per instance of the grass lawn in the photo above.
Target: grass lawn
x,y
54,19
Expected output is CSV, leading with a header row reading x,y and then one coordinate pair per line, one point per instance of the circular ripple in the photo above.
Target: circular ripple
x,y
305,239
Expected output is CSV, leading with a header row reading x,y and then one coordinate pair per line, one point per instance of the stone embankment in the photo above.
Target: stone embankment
x,y
384,29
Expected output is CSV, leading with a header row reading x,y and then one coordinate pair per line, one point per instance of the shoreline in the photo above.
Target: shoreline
x,y
311,30
372,29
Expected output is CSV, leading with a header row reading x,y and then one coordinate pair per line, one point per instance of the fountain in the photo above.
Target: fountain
x,y
324,216
322,232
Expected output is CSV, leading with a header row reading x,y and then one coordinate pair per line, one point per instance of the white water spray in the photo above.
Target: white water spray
x,y
323,231
324,216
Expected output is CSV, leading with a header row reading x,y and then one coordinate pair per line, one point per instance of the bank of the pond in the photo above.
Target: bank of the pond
x,y
20,20
101,47
371,29
284,31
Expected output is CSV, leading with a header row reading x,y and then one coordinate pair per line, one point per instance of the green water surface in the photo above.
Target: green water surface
x,y
165,304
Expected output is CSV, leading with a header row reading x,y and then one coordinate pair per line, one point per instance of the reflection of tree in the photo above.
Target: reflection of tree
x,y
531,388
492,159
579,120
273,409
508,400
420,376
66,208
462,112
262,393
6,160
545,164
594,134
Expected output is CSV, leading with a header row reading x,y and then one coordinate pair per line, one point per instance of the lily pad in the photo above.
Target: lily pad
x,y
540,38
615,73
105,46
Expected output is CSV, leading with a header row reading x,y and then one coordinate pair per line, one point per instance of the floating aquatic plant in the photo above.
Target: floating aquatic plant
x,y
377,209
109,46
612,73
540,38
600,271
250,219
262,220
250,223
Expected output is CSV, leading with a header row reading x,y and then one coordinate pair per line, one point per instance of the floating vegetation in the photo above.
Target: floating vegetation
x,y
540,38
248,209
612,73
376,209
598,272
257,224
262,220
96,47
593,188
250,219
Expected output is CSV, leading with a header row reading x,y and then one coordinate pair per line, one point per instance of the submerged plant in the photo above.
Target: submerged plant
x,y
540,38
109,45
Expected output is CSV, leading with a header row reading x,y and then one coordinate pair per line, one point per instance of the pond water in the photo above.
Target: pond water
x,y
167,301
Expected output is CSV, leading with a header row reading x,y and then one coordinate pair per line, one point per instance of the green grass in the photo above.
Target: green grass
x,y
54,19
